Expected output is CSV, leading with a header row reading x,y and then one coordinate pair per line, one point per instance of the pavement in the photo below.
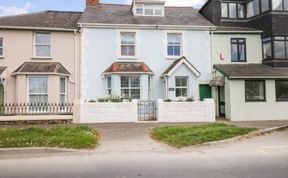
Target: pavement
x,y
260,157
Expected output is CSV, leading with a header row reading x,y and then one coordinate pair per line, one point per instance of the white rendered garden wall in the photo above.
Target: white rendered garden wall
x,y
105,112
198,111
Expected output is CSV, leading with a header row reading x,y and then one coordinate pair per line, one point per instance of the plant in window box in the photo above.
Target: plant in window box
x,y
168,100
116,99
190,99
103,100
92,101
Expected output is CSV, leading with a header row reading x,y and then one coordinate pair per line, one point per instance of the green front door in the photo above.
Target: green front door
x,y
205,92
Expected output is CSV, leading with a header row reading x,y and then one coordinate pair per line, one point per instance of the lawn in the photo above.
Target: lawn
x,y
188,135
80,137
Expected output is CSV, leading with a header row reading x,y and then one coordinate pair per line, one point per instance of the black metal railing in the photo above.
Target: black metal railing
x,y
15,109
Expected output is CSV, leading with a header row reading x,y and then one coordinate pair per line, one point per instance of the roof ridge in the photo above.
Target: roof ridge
x,y
39,12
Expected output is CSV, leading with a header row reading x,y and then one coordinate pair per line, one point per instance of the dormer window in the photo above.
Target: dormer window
x,y
143,9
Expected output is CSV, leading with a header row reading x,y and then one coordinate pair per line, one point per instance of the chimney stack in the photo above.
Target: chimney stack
x,y
92,2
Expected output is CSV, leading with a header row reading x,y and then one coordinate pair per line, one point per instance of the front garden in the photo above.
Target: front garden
x,y
188,135
80,137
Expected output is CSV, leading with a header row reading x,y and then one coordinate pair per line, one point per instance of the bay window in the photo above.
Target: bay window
x,y
267,48
38,89
264,5
42,44
277,5
181,86
130,87
232,10
128,43
174,44
255,90
281,90
280,47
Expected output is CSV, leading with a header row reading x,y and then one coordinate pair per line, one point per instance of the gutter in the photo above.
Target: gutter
x,y
36,28
239,32
149,26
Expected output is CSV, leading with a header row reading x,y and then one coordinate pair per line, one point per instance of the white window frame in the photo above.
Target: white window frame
x,y
182,87
149,87
180,45
154,9
2,47
65,90
134,45
109,89
41,44
130,88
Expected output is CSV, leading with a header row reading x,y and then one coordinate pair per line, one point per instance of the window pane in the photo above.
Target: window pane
x,y
1,51
234,52
124,82
279,49
256,7
62,98
178,82
1,42
250,9
232,10
109,82
254,90
184,82
242,52
128,38
38,84
139,9
125,93
158,11
127,50
265,5
148,9
135,93
285,5
224,9
42,50
267,50
62,85
281,90
42,38
277,5
135,81
181,92
38,99
240,11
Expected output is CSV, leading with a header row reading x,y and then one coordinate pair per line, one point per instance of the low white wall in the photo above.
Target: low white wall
x,y
105,112
198,111
36,118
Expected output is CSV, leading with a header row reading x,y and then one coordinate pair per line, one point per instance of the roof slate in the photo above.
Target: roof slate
x,y
251,70
122,14
46,19
42,67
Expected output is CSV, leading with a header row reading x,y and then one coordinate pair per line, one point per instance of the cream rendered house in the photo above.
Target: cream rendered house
x,y
39,57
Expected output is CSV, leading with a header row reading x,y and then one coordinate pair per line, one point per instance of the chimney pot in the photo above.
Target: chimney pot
x,y
92,2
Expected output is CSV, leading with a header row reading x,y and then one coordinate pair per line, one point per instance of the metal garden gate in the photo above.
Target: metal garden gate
x,y
147,111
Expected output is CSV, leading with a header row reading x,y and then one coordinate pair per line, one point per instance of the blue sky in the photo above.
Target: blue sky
x,y
12,7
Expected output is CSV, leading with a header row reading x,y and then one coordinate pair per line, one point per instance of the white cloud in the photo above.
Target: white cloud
x,y
14,10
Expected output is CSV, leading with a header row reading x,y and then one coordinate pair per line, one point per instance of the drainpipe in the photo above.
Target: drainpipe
x,y
75,64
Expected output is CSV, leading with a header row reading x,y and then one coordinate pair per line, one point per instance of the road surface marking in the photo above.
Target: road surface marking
x,y
275,147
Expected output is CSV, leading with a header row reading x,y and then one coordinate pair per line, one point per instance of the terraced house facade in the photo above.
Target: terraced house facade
x,y
39,56
235,52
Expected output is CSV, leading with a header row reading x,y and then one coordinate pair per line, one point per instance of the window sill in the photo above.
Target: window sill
x,y
255,101
127,58
41,58
173,57
2,57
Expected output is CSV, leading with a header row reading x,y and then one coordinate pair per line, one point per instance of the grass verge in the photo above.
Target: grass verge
x,y
80,137
183,136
